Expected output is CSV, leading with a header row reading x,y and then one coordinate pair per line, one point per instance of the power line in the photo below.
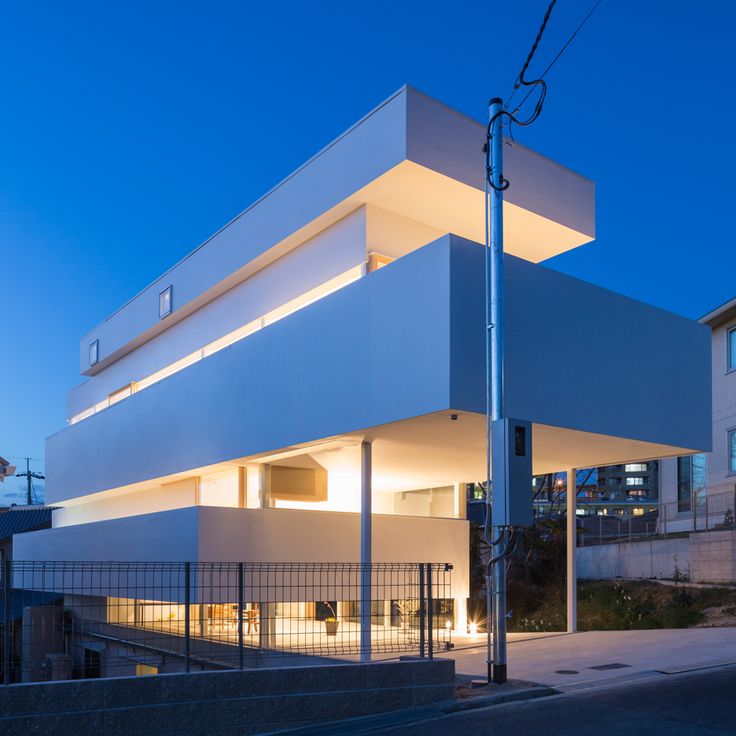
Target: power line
x,y
554,61
520,81
29,476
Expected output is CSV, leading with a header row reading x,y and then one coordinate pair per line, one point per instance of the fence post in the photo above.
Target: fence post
x,y
6,622
664,507
706,513
422,610
600,528
430,635
629,528
240,614
187,603
694,506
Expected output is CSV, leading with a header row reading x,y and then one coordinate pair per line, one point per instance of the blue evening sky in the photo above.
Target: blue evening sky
x,y
131,131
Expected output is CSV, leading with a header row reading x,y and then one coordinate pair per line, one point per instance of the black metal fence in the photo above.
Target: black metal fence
x,y
67,620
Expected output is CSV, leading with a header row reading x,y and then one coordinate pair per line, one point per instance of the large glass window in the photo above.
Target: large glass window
x,y
731,349
691,480
636,468
732,451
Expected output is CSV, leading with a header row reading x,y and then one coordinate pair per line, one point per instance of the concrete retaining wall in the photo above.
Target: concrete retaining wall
x,y
222,703
713,557
649,558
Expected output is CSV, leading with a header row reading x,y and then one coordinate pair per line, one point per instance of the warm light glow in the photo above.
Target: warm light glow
x,y
473,629
294,305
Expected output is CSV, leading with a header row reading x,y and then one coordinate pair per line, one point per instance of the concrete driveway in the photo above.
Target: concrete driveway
x,y
567,661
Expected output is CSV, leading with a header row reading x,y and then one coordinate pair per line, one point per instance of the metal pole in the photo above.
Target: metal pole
x,y
240,614
187,602
663,506
430,618
6,623
495,369
706,513
422,610
366,550
694,507
572,574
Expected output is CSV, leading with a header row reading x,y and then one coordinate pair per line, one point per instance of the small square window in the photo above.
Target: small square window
x,y
94,352
164,303
731,349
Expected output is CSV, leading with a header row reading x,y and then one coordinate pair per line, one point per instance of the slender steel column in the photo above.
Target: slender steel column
x,y
572,542
366,547
495,369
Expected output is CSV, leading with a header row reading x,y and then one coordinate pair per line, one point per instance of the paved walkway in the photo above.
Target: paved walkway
x,y
541,657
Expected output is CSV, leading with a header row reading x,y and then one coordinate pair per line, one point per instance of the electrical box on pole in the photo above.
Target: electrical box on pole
x,y
511,457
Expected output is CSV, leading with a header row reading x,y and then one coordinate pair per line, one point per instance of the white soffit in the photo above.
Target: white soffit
x,y
429,197
433,450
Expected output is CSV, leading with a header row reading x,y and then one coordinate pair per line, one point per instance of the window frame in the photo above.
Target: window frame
x,y
93,346
729,332
730,458
161,296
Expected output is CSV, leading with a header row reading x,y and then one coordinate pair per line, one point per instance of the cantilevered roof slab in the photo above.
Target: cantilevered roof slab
x,y
412,156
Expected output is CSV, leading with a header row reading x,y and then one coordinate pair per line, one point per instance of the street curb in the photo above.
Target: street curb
x,y
486,701
409,716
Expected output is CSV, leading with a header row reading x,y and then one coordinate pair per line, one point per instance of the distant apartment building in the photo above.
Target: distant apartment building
x,y
626,488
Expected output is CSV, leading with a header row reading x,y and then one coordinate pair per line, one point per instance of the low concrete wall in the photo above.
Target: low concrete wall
x,y
713,557
222,703
648,558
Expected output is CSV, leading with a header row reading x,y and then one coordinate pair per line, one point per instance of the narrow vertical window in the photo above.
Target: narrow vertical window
x,y
732,451
94,352
731,349
164,303
691,481
684,484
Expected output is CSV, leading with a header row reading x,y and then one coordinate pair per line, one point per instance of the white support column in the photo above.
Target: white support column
x,y
265,486
572,575
242,488
366,547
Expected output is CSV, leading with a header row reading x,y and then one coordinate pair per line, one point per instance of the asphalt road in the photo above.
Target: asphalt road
x,y
693,704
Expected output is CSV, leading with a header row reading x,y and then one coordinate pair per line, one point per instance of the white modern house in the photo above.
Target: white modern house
x,y
318,365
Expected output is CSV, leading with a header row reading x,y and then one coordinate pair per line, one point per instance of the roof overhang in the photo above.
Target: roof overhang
x,y
411,155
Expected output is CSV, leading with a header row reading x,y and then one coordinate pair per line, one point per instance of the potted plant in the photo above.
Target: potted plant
x,y
331,622
407,610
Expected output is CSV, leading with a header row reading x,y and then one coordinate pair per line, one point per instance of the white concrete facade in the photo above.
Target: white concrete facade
x,y
345,307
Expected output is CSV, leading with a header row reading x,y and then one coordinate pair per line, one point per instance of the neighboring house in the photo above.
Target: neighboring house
x,y
319,361
20,519
703,486
697,494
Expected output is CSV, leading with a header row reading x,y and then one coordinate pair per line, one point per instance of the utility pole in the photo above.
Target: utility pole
x,y
495,376
28,475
